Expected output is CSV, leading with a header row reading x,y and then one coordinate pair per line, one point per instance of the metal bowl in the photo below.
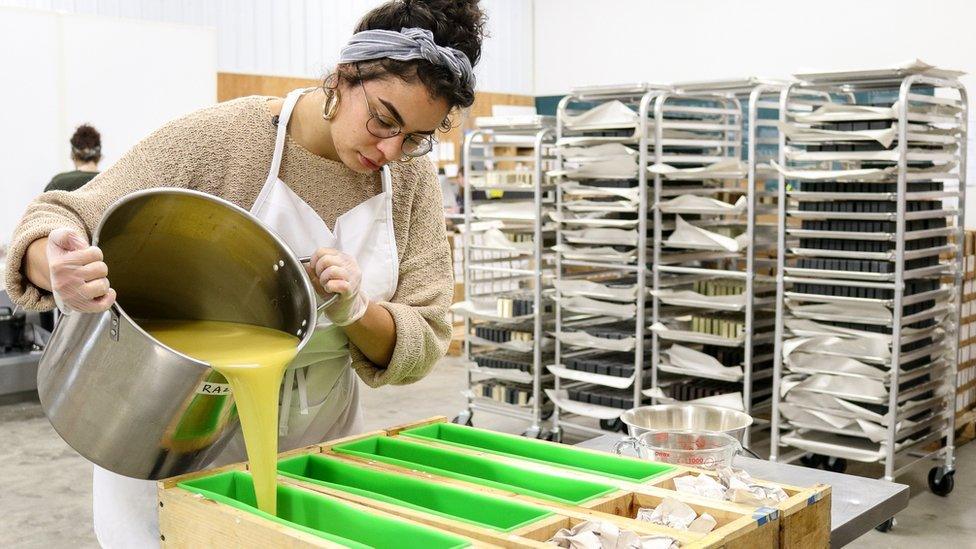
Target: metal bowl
x,y
686,417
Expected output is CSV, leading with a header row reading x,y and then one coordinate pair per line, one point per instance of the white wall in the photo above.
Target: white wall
x,y
580,42
303,37
125,77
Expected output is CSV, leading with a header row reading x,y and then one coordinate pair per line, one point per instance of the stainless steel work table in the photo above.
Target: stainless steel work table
x,y
857,504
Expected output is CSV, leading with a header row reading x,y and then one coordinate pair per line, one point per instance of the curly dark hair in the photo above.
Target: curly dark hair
x,y
458,24
86,144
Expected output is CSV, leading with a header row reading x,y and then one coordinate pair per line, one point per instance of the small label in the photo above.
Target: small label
x,y
211,388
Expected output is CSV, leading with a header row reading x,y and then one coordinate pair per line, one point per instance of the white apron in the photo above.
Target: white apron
x,y
320,393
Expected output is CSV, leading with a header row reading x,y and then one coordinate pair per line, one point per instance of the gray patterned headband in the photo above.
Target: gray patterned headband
x,y
87,153
406,45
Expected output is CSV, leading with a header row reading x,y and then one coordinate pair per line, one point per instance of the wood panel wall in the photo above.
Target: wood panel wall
x,y
233,85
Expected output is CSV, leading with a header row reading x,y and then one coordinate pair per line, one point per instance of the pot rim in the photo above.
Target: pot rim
x,y
289,256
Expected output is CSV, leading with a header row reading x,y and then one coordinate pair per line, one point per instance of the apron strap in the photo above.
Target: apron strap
x,y
387,178
286,387
286,109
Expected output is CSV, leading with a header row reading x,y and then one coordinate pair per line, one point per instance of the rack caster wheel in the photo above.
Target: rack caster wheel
x,y
612,425
546,414
534,432
941,483
886,526
811,460
555,435
837,465
464,418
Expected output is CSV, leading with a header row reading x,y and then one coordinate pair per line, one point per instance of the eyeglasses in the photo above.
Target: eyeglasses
x,y
384,127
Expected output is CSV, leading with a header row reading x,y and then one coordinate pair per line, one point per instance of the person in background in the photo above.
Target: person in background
x,y
86,152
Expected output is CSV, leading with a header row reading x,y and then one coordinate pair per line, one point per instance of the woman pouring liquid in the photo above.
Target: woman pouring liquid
x,y
338,172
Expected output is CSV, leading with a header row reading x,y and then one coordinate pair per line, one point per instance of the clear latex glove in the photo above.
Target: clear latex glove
x,y
339,273
79,277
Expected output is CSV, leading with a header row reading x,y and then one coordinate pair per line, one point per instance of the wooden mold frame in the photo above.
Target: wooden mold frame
x,y
803,520
189,520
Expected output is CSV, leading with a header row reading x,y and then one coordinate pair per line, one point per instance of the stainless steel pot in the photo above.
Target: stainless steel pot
x,y
686,417
121,398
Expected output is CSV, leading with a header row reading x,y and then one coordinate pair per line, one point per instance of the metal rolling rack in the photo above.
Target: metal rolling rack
x,y
493,267
604,137
867,357
711,115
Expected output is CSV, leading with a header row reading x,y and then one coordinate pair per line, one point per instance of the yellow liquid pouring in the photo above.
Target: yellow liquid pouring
x,y
253,359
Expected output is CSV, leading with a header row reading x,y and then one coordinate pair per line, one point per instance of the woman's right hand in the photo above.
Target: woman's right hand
x,y
79,277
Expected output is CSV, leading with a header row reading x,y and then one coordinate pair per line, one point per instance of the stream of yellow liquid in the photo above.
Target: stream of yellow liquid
x,y
253,359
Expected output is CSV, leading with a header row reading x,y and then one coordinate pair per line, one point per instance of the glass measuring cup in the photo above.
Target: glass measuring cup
x,y
703,450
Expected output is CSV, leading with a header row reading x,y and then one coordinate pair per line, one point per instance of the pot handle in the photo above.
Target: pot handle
x,y
627,441
742,450
329,301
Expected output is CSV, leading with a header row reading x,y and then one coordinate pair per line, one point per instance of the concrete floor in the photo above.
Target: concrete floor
x,y
45,487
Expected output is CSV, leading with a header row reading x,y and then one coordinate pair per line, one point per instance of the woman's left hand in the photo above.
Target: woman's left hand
x,y
339,273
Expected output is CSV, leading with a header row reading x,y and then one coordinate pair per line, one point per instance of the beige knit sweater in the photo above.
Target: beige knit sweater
x,y
226,150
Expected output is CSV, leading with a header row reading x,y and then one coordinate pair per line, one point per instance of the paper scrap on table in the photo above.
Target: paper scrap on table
x,y
605,535
741,488
702,485
733,485
678,515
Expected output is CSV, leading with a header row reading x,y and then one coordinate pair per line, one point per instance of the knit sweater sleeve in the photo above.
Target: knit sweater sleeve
x,y
425,288
174,155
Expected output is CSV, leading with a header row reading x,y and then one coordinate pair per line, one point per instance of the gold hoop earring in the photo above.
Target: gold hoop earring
x,y
331,105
